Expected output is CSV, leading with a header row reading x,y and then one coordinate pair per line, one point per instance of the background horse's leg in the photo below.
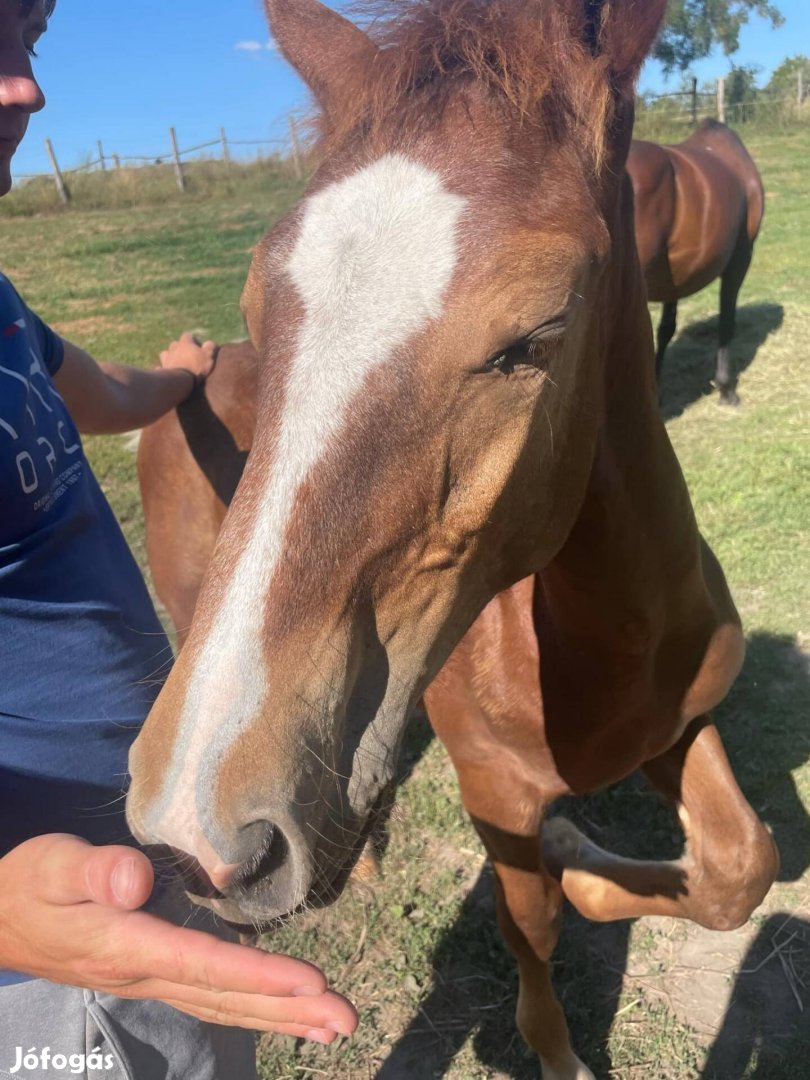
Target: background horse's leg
x,y
666,332
729,864
730,284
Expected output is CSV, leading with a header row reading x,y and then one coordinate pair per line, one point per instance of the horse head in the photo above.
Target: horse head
x,y
433,320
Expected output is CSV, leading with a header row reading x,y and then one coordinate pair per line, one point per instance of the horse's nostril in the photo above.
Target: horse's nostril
x,y
269,852
197,879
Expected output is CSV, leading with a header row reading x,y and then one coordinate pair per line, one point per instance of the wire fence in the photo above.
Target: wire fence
x,y
656,114
737,105
220,149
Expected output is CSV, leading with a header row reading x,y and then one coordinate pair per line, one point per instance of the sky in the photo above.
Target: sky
x,y
125,72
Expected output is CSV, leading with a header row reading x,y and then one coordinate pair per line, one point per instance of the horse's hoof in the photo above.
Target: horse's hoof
x,y
730,397
572,1070
561,842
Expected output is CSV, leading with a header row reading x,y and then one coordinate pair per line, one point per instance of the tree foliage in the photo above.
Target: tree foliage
x,y
785,80
742,91
694,27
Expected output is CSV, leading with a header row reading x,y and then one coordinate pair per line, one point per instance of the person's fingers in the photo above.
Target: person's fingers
x,y
194,958
327,1011
121,878
71,871
297,1031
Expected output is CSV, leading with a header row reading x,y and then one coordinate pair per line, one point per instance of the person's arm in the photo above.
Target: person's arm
x,y
68,914
108,399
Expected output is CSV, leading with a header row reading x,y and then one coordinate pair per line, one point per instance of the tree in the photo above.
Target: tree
x,y
741,92
694,27
785,80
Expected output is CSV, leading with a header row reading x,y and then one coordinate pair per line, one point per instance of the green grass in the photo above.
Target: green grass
x,y
418,951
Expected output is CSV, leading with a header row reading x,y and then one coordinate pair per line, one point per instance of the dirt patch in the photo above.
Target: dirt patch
x,y
93,304
745,994
92,326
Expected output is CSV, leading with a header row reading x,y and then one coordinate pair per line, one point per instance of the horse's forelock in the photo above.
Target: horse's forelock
x,y
524,54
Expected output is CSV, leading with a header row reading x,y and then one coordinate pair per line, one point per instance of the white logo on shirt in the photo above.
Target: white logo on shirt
x,y
40,477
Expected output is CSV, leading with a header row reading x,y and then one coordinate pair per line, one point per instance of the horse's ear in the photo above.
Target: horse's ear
x,y
623,32
320,44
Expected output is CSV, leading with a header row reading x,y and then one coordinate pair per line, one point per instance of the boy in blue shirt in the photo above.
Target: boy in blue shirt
x,y
83,971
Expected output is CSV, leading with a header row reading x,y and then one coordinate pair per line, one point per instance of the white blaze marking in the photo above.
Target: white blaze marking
x,y
373,259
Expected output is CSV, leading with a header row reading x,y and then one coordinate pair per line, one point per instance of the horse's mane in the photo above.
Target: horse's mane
x,y
534,58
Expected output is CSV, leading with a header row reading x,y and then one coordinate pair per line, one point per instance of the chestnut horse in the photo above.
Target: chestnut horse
x,y
699,208
458,469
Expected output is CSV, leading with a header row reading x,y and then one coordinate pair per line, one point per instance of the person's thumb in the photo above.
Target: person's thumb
x,y
71,871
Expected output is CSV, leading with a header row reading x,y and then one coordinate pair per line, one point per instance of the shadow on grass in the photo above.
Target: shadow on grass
x,y
689,364
474,987
766,1032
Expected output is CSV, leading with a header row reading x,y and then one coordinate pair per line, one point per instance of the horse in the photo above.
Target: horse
x,y
698,208
189,465
459,487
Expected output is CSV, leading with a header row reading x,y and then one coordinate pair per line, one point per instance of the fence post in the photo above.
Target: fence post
x,y
64,194
721,100
102,162
296,149
116,161
694,101
800,90
178,164
226,152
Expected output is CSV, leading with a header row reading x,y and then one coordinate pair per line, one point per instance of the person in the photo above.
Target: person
x,y
92,970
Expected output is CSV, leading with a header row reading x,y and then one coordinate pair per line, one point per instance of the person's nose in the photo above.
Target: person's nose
x,y
21,90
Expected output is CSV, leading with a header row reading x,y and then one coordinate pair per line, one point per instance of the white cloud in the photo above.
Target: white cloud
x,y
255,46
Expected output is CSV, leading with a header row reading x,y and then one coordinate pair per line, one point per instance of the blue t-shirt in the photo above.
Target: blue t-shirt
x,y
82,653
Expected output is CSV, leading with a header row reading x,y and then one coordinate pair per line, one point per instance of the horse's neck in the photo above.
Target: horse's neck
x,y
633,557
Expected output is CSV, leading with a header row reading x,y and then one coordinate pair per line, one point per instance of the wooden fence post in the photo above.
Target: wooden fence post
x,y
178,164
721,100
694,101
102,162
64,194
116,161
296,149
226,152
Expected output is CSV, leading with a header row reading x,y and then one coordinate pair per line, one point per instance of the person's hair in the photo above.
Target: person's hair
x,y
27,5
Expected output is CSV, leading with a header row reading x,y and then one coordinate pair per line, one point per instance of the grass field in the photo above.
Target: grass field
x,y
418,950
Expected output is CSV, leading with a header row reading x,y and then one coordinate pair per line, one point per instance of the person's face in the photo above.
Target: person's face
x,y
22,22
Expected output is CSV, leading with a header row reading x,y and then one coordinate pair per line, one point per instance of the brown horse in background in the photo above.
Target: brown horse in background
x,y
189,465
458,469
698,209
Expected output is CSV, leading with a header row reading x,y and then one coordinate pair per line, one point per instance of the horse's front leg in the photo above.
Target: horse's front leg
x,y
730,861
666,332
529,903
487,709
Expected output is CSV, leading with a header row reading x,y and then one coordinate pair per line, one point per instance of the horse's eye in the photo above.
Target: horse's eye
x,y
504,362
522,353
530,351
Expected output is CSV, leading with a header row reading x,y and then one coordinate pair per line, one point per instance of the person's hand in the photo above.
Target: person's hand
x,y
68,914
198,357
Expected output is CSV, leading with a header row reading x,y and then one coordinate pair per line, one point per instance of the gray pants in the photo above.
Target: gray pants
x,y
132,1039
